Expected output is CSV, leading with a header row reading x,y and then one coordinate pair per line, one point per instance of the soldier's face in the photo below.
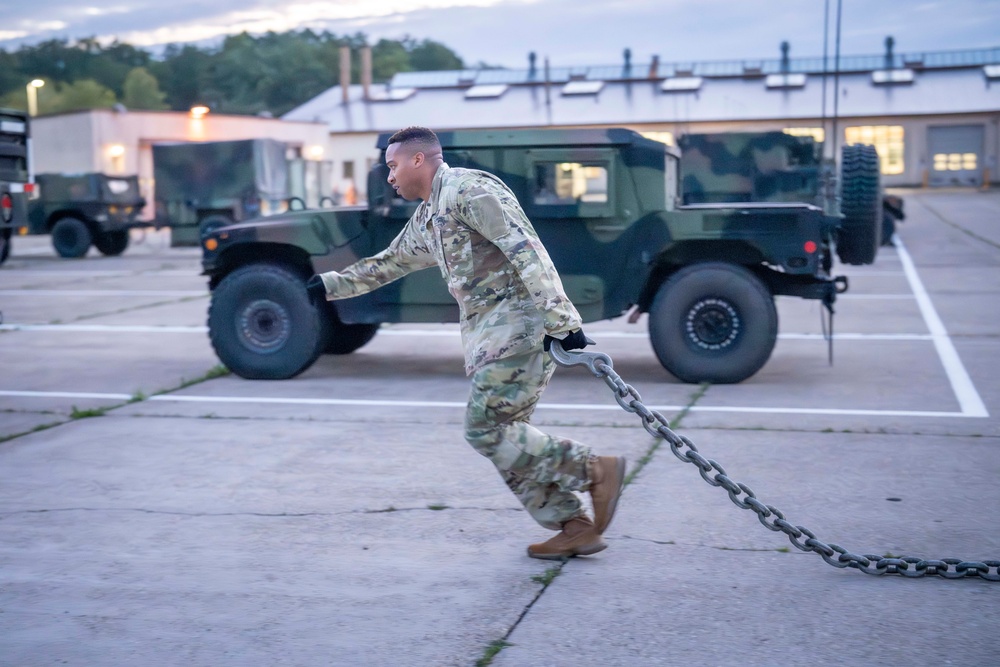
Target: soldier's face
x,y
403,166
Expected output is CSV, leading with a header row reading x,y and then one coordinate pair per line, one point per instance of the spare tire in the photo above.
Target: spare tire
x,y
860,232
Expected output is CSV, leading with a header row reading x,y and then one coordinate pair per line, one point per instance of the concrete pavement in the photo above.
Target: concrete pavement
x,y
155,512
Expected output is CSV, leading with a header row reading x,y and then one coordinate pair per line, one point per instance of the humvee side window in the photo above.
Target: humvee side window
x,y
117,186
564,183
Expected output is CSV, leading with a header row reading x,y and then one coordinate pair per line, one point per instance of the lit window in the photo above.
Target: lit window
x,y
816,133
570,183
663,137
888,141
955,161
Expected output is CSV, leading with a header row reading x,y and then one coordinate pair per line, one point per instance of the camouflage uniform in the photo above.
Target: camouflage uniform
x,y
509,296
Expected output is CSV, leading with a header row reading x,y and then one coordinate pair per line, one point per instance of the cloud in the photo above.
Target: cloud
x,y
504,31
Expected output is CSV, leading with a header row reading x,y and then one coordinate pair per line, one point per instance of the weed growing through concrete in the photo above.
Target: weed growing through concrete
x,y
491,652
86,414
548,576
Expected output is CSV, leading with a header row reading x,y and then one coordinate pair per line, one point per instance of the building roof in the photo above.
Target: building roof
x,y
890,85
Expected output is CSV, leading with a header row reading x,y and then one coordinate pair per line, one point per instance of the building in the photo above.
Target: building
x,y
934,117
119,141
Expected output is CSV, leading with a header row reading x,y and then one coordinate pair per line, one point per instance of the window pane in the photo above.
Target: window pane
x,y
570,183
888,141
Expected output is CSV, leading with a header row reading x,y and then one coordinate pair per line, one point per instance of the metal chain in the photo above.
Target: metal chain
x,y
743,496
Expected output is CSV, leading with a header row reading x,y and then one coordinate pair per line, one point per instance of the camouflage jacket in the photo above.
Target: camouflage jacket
x,y
473,228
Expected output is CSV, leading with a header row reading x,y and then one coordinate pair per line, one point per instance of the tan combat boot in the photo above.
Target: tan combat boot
x,y
578,538
607,477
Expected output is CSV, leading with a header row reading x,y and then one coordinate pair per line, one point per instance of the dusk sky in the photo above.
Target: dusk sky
x,y
502,32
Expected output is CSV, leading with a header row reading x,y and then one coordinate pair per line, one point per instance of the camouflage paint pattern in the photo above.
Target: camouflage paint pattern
x,y
749,166
509,293
542,471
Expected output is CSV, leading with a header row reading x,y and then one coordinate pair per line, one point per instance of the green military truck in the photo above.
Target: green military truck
x,y
203,185
607,205
15,174
80,210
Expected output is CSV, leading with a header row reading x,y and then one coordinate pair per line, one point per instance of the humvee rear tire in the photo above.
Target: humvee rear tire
x,y
71,238
5,244
343,338
112,243
713,322
860,233
262,323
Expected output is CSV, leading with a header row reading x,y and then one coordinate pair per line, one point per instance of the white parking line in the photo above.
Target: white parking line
x,y
968,398
590,407
102,292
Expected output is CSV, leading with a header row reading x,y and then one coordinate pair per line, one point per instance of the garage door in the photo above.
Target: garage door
x,y
956,155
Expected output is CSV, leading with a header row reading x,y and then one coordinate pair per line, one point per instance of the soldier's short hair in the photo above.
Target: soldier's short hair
x,y
420,137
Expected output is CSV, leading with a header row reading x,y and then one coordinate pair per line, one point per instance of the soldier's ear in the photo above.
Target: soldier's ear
x,y
418,158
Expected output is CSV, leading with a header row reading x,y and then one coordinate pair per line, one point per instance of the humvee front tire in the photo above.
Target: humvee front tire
x,y
713,322
71,238
112,243
262,323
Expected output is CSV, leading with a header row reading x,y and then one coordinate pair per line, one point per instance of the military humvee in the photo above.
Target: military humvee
x,y
14,175
209,184
83,209
606,204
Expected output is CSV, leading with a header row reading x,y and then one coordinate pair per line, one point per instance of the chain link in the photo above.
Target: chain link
x,y
600,365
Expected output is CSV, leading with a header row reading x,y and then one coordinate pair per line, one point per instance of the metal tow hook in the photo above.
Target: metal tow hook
x,y
569,358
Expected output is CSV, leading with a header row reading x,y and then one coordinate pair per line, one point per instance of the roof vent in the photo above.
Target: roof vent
x,y
582,87
679,84
486,91
891,77
784,81
391,94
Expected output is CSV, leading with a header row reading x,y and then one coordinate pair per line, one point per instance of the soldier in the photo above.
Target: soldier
x,y
512,306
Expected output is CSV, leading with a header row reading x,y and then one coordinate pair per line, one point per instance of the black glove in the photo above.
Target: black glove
x,y
316,289
574,341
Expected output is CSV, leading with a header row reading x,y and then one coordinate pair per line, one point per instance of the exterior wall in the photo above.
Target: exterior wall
x,y
121,142
358,148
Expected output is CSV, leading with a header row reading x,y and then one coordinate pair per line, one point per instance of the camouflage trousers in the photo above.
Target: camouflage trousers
x,y
543,471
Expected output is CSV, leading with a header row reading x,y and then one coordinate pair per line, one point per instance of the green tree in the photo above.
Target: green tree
x,y
429,56
183,75
77,96
142,91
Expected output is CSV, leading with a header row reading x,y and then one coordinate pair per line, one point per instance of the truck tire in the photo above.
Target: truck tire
x,y
860,233
713,322
262,323
343,338
5,244
112,243
71,238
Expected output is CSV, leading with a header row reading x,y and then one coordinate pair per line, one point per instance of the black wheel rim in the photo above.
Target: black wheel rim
x,y
712,324
264,326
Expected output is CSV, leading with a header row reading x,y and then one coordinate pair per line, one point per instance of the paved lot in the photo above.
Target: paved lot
x,y
155,512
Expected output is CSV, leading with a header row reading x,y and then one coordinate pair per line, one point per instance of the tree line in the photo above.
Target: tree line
x,y
246,74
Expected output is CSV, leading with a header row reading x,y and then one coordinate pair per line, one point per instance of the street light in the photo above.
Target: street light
x,y
32,89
